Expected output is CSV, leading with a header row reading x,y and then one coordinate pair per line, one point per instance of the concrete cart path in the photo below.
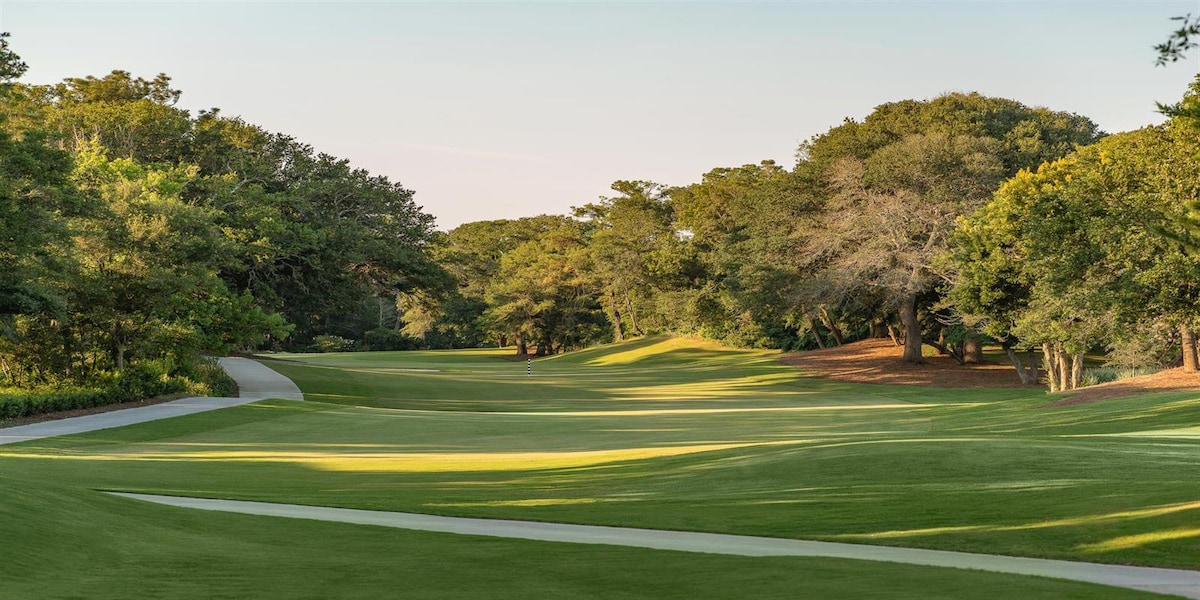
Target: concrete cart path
x,y
259,381
255,382
1163,581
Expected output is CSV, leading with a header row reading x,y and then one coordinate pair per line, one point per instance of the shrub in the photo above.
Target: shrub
x,y
1098,375
28,403
331,343
138,381
384,338
207,378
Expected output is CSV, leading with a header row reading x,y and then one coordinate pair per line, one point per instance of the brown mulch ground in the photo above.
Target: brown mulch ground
x,y
878,361
1170,380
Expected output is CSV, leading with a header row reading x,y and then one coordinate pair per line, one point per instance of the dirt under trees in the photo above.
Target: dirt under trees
x,y
881,361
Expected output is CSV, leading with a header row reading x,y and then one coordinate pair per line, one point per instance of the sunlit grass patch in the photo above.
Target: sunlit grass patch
x,y
530,502
654,349
1127,542
1070,522
398,462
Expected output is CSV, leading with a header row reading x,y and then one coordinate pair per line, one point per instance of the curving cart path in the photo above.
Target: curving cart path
x,y
1164,581
255,382
258,382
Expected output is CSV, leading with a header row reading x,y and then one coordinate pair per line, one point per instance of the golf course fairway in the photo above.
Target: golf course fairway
x,y
659,433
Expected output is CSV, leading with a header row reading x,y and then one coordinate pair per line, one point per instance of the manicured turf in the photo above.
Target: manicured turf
x,y
658,433
63,542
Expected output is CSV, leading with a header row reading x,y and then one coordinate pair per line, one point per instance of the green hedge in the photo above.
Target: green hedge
x,y
136,382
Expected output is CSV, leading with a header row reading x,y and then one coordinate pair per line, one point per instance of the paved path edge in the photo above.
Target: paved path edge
x,y
255,382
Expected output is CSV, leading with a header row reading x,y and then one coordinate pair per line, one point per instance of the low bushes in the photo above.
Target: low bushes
x,y
1098,375
384,338
137,382
332,343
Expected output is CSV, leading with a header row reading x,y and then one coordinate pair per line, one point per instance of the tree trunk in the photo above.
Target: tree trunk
x,y
972,350
68,349
1076,370
912,330
633,320
118,347
522,347
1064,368
816,331
891,331
876,328
1027,376
618,333
1190,363
833,328
1051,366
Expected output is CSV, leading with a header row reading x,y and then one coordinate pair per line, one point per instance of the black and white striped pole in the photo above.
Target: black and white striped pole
x,y
529,367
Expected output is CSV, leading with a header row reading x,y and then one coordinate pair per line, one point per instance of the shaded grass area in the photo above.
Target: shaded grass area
x,y
63,542
679,435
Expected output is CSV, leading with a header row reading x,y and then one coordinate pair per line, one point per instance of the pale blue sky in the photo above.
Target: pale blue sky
x,y
501,110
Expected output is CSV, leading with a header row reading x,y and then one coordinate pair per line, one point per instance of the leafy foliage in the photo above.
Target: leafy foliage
x,y
138,236
1180,41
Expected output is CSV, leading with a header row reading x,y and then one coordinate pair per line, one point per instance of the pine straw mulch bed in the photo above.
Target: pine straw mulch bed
x,y
1170,380
879,361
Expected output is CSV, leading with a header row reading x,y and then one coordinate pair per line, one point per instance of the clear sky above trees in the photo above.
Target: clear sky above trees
x,y
470,104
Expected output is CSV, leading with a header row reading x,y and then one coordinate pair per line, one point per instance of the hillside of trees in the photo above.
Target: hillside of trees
x,y
953,222
139,237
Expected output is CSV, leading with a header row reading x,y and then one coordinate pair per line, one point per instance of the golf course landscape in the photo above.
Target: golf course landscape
x,y
657,433
600,300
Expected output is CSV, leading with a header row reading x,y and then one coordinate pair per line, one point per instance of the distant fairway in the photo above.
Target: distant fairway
x,y
659,433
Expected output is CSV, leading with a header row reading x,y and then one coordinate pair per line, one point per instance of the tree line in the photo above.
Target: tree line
x,y
136,236
952,222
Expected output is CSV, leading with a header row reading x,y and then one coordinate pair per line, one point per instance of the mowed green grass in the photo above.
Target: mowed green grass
x,y
64,542
663,433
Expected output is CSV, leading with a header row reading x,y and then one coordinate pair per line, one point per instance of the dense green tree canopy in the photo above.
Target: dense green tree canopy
x,y
892,185
133,232
1073,256
136,232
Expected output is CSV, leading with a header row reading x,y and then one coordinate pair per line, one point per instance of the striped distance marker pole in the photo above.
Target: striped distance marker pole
x,y
529,367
